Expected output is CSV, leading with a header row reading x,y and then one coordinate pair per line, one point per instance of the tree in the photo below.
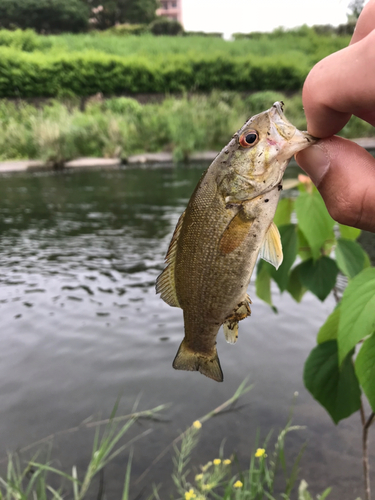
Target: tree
x,y
107,13
44,16
355,7
142,11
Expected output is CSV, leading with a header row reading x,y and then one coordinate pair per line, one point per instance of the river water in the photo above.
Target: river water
x,y
81,326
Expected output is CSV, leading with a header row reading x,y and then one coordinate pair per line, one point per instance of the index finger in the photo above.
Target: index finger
x,y
340,85
365,23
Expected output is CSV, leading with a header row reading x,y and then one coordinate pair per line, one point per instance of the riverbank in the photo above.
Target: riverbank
x,y
56,132
161,158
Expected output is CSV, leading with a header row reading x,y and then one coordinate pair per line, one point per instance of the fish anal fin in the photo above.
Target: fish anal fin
x,y
187,359
165,282
230,329
235,233
230,326
272,250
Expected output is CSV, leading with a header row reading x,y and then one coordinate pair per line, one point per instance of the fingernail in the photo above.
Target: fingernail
x,y
314,161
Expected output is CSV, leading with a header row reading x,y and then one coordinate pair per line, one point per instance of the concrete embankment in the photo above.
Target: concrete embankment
x,y
142,159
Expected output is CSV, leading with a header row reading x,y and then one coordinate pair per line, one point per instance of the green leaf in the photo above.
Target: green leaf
x,y
263,283
283,212
314,220
330,328
304,250
357,318
349,257
365,369
336,389
320,276
295,287
288,235
367,260
349,233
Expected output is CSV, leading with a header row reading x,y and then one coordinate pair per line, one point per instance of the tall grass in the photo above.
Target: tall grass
x,y
120,127
219,479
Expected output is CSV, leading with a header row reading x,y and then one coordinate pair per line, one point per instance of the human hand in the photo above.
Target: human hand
x,y
340,85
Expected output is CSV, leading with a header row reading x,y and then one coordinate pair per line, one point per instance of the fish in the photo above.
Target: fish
x,y
227,225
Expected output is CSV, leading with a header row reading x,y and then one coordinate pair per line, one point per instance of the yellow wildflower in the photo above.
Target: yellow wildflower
x,y
217,461
238,484
260,452
227,461
190,494
207,466
197,424
199,477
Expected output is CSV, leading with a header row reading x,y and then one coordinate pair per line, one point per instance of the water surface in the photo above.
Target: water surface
x,y
81,325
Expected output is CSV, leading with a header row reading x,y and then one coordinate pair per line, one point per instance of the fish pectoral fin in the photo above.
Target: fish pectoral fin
x,y
235,232
186,359
165,283
272,250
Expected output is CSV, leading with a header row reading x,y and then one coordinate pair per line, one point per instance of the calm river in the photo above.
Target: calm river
x,y
81,325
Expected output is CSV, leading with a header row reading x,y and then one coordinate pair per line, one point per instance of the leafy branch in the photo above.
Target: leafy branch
x,y
316,251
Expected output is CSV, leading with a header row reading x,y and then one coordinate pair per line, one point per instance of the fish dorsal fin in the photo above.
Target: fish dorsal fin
x,y
235,233
272,250
165,283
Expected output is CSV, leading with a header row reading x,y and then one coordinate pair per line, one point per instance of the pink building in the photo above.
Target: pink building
x,y
171,9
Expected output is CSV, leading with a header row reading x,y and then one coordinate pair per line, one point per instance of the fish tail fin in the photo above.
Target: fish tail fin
x,y
186,359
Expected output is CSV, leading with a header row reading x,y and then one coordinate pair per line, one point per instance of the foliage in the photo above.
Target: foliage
x,y
108,13
31,481
219,479
314,33
316,249
141,11
306,48
356,7
121,126
24,40
37,74
165,26
213,34
44,16
128,29
89,63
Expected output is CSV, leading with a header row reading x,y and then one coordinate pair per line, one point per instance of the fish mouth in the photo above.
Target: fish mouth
x,y
296,139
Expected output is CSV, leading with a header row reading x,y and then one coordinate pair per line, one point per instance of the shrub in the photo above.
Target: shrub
x,y
123,106
86,73
165,26
45,16
25,40
203,33
129,29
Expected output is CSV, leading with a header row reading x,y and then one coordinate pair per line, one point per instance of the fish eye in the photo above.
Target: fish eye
x,y
249,138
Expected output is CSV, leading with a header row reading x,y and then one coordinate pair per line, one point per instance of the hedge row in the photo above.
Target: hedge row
x,y
48,75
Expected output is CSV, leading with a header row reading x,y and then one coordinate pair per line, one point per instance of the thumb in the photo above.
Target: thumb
x,y
344,174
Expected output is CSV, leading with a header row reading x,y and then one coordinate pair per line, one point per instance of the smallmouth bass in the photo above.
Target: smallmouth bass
x,y
226,225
